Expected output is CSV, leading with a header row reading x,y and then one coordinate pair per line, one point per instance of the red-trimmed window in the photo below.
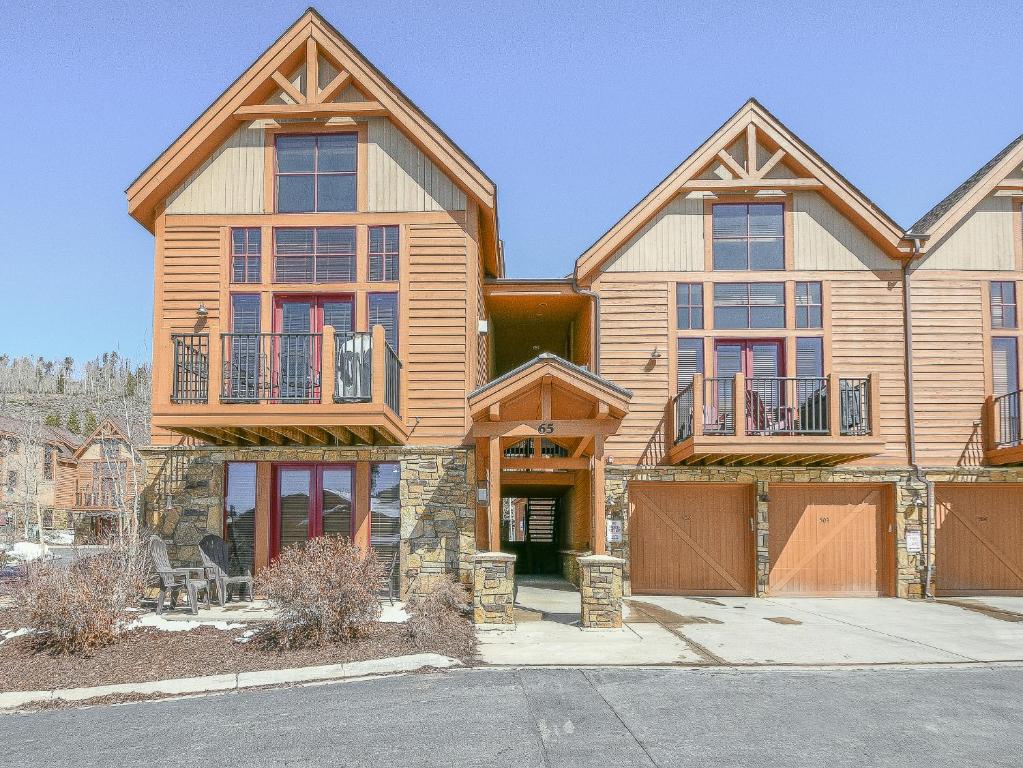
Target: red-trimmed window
x,y
314,254
748,236
383,253
1003,304
246,247
383,310
317,173
809,305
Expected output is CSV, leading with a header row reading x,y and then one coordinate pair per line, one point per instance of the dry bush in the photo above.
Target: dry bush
x,y
439,619
82,605
325,590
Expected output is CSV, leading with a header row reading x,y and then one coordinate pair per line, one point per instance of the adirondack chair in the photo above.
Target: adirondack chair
x,y
173,580
391,567
215,559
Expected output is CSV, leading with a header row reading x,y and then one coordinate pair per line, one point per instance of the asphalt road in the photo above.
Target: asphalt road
x,y
557,717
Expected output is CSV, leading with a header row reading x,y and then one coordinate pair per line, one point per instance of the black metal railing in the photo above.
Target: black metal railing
x,y
523,449
719,406
392,379
353,366
684,413
854,406
787,405
1007,420
191,375
271,367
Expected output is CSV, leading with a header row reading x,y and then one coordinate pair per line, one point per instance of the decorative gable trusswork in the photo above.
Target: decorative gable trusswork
x,y
752,155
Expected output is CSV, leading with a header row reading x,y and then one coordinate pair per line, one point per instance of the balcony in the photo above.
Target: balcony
x,y
820,421
284,389
1003,443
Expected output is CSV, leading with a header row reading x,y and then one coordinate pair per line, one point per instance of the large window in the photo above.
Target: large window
x,y
383,310
689,305
240,515
314,255
748,236
749,305
383,253
246,246
690,361
809,306
317,173
1004,366
1003,305
385,512
809,357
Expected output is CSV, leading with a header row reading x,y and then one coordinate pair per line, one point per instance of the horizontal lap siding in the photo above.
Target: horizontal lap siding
x,y
436,354
948,362
867,337
633,322
190,268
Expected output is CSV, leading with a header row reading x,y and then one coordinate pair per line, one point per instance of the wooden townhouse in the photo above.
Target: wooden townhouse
x,y
718,400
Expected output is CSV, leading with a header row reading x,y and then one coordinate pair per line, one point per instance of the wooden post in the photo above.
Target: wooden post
x,y
598,500
739,417
875,405
379,374
264,504
361,521
698,388
494,495
989,424
834,406
328,366
216,374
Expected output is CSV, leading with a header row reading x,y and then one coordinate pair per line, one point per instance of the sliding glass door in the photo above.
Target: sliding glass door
x,y
311,500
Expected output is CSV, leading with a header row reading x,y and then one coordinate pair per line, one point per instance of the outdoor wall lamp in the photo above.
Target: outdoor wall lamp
x,y
201,311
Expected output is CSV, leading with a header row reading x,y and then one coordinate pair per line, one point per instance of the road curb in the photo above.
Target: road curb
x,y
240,681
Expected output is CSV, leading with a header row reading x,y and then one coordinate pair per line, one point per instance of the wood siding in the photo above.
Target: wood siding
x,y
671,241
984,240
229,181
435,357
188,273
823,239
402,178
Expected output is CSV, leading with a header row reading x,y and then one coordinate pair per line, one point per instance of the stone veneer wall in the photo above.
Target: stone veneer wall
x,y
184,499
908,516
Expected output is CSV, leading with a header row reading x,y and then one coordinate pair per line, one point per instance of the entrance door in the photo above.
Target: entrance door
x,y
311,500
299,320
531,531
762,364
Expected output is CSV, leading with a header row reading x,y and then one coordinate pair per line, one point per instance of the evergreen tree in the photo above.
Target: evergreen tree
x,y
72,424
52,419
90,423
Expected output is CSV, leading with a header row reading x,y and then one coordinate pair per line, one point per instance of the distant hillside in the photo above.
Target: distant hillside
x,y
77,396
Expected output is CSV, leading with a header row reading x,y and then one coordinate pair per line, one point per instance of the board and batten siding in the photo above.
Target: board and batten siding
x,y
400,177
670,242
867,338
824,239
435,356
949,380
188,274
984,240
633,322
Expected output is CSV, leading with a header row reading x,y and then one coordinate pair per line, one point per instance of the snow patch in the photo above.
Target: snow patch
x,y
393,614
179,625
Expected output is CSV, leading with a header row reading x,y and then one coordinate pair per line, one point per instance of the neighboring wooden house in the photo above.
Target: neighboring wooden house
x,y
30,456
719,393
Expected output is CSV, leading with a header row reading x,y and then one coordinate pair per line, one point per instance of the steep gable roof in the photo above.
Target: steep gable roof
x,y
732,160
249,98
960,201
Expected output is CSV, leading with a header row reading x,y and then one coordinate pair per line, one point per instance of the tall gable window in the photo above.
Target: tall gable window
x,y
383,253
314,255
1003,305
316,173
748,236
246,246
749,305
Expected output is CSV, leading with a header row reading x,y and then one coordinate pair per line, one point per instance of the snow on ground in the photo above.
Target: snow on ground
x,y
177,625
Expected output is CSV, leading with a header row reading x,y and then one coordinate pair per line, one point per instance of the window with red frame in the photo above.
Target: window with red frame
x,y
314,255
383,253
316,173
246,247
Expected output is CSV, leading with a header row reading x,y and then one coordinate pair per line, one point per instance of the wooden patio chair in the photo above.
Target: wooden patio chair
x,y
173,580
216,560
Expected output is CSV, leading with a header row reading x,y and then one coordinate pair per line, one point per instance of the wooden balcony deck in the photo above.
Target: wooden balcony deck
x,y
1003,441
774,421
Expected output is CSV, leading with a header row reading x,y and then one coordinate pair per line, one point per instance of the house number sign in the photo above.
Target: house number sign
x,y
545,428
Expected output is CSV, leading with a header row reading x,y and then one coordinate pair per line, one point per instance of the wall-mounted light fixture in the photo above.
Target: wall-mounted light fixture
x,y
482,495
201,311
655,354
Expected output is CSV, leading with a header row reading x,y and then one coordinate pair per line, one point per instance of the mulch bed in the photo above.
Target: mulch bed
x,y
148,654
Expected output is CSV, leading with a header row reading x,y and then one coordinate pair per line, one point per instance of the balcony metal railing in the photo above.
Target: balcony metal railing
x,y
191,374
392,379
270,367
1007,420
774,406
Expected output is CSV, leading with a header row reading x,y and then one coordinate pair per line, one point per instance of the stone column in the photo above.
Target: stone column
x,y
600,581
494,588
761,530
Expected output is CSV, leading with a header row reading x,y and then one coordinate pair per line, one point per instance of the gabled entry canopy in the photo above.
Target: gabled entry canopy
x,y
753,153
311,73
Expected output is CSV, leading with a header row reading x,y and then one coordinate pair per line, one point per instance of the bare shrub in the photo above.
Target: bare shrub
x,y
325,590
439,619
82,605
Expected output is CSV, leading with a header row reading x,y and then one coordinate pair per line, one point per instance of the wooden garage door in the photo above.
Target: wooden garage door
x,y
831,540
691,539
979,544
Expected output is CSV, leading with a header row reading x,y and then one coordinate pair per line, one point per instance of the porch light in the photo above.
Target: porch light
x,y
201,311
482,494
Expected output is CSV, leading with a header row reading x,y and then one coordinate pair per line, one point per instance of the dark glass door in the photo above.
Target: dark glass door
x,y
311,500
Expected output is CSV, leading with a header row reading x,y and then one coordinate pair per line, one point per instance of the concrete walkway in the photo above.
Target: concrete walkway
x,y
752,631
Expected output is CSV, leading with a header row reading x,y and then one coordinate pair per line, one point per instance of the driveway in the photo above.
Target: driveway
x,y
758,631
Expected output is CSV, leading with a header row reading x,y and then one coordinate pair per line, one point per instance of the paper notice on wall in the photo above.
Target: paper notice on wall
x,y
913,543
614,531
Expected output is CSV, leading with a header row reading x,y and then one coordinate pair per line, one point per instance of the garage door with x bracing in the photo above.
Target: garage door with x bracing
x,y
979,543
829,540
691,539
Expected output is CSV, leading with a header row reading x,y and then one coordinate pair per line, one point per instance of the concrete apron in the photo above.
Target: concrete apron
x,y
755,631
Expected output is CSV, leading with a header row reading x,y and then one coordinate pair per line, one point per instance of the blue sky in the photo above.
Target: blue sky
x,y
576,110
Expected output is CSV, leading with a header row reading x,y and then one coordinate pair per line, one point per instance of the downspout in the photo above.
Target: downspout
x,y
596,321
921,476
